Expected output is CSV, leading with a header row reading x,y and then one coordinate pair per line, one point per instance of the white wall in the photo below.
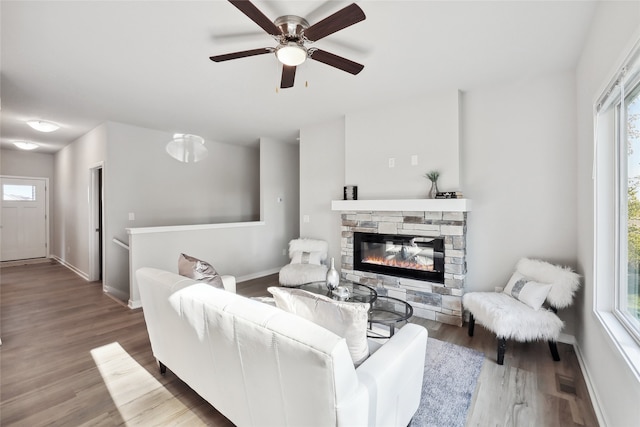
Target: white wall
x,y
614,28
322,160
70,237
30,164
141,178
244,250
518,157
427,127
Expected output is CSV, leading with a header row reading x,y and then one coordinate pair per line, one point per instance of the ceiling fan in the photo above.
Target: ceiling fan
x,y
292,33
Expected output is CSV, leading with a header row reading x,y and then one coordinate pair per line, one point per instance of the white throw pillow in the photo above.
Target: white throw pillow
x,y
529,292
346,319
302,257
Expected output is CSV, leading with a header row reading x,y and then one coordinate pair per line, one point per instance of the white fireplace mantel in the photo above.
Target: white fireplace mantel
x,y
416,205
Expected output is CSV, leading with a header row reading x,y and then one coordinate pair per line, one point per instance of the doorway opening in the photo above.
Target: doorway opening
x,y
96,223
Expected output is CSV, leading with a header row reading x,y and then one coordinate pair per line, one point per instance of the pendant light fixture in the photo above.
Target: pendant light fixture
x,y
187,148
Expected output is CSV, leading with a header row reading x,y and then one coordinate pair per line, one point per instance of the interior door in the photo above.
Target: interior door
x,y
23,229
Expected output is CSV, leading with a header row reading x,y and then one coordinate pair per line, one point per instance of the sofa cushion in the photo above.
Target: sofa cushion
x,y
529,292
346,319
199,270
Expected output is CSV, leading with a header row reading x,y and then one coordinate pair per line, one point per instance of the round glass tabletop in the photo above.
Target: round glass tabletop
x,y
356,291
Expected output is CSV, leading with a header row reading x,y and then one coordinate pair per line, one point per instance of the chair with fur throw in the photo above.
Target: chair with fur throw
x,y
526,309
308,262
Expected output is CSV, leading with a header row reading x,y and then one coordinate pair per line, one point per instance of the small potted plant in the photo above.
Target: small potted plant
x,y
433,177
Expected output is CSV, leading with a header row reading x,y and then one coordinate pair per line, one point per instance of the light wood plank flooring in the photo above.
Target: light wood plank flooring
x,y
72,356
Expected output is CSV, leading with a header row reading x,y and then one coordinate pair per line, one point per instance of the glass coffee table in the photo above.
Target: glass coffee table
x,y
384,310
357,292
388,311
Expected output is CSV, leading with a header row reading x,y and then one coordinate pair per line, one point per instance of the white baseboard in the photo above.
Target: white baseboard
x,y
133,304
71,267
593,395
567,339
116,293
258,274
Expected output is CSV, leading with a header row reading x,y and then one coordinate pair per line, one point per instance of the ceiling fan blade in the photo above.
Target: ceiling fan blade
x,y
253,13
241,54
288,76
343,64
343,18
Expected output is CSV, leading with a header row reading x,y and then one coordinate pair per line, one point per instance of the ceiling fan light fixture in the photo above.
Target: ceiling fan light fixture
x,y
187,148
25,145
291,54
43,126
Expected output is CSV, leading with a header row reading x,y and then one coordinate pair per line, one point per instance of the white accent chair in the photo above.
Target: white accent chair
x,y
506,315
308,262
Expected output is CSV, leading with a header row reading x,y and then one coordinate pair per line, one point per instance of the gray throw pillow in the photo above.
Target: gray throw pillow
x,y
199,270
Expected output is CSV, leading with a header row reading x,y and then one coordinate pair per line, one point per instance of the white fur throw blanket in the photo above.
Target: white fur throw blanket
x,y
298,274
564,282
309,245
509,318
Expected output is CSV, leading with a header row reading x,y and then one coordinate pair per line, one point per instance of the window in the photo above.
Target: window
x,y
617,209
627,304
18,193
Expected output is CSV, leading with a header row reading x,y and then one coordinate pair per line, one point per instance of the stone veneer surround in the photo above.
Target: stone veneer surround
x,y
430,300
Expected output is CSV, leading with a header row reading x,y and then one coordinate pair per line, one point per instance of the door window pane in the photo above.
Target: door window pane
x,y
24,193
630,295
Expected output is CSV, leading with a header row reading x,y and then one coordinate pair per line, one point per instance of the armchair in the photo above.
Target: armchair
x,y
517,313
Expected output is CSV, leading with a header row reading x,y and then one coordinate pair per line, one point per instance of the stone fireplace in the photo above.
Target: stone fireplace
x,y
433,296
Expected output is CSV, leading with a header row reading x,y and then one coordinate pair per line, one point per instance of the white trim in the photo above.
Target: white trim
x,y
415,205
71,267
593,394
116,293
146,230
257,275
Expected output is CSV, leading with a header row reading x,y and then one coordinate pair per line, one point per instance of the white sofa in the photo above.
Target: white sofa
x,y
259,365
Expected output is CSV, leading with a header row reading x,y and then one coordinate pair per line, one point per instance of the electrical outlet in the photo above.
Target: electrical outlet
x,y
132,216
392,162
305,219
414,160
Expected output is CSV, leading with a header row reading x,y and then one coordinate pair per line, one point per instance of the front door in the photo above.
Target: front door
x,y
23,229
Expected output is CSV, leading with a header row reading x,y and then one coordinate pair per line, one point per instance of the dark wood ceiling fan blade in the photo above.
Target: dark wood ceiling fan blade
x,y
336,61
253,13
288,76
343,18
241,54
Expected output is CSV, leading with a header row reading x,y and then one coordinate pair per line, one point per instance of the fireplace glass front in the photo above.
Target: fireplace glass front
x,y
412,257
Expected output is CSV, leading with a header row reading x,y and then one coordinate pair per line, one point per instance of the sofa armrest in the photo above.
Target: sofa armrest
x,y
393,375
229,283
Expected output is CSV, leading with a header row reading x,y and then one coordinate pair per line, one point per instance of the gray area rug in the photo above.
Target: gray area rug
x,y
450,376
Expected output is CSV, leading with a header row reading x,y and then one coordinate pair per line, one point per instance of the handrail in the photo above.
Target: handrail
x,y
119,243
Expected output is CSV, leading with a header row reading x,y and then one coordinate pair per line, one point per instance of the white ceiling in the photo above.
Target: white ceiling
x,y
146,63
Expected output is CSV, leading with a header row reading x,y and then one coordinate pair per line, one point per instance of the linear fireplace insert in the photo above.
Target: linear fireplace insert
x,y
412,257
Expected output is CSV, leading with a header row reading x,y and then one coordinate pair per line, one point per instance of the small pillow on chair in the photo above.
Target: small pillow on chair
x,y
302,257
346,319
527,291
199,270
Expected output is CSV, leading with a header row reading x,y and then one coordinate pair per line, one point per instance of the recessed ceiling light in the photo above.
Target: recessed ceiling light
x,y
42,126
24,145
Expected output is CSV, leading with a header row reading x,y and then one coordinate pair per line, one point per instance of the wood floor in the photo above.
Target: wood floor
x,y
72,356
